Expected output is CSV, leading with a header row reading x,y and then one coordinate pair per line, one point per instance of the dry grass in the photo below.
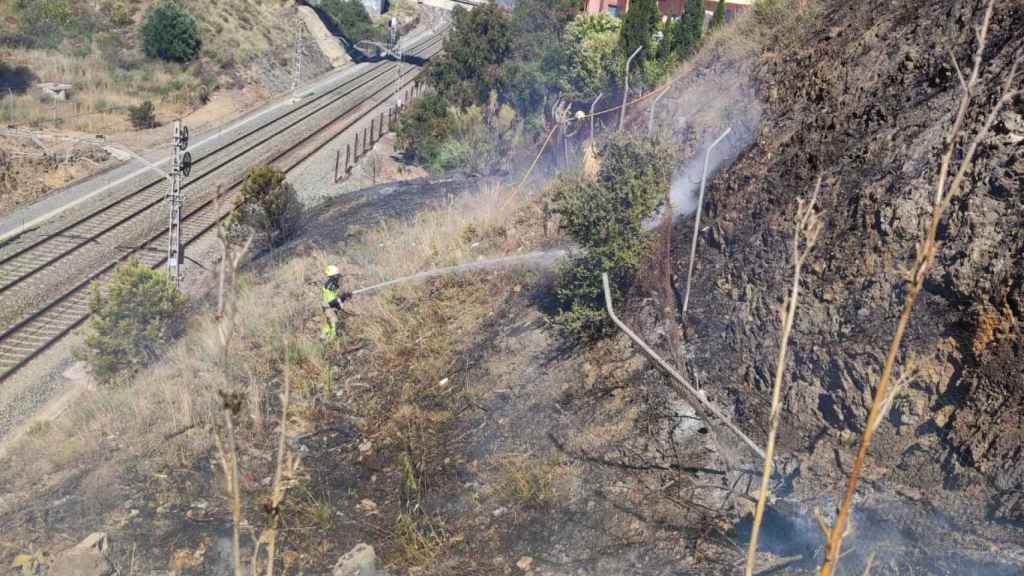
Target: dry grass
x,y
110,74
527,481
411,331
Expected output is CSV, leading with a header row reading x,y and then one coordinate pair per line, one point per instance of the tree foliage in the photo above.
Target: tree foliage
x,y
476,51
46,23
269,206
170,33
718,20
352,19
132,322
638,27
690,29
605,215
442,137
592,58
538,25
423,128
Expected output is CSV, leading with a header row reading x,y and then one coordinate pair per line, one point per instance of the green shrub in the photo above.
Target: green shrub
x,y
592,60
269,206
605,215
46,23
773,13
170,33
143,116
140,313
719,18
423,128
443,138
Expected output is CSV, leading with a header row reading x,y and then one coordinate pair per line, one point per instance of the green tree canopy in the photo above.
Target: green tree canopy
x,y
605,215
539,23
639,25
690,28
170,33
592,59
476,51
718,20
423,128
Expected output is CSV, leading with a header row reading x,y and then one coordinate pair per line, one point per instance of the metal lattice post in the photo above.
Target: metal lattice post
x,y
297,71
174,253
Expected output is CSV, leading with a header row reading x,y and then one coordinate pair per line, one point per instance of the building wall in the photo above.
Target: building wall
x,y
672,8
614,7
669,8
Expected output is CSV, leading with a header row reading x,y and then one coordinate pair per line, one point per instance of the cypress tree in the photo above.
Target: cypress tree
x,y
638,26
691,27
719,18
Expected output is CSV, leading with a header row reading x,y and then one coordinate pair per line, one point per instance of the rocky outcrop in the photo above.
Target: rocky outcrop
x,y
87,558
866,98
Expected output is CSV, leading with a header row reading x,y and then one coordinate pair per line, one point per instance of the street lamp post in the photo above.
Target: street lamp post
x,y
625,88
696,223
592,106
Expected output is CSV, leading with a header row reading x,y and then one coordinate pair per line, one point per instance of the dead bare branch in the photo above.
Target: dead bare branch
x,y
926,252
808,227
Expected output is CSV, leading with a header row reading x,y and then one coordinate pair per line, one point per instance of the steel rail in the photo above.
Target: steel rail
x,y
42,262
70,309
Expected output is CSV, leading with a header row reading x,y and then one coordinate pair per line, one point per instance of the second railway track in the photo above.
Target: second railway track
x,y
95,232
22,262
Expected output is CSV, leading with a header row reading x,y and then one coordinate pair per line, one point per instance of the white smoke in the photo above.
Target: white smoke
x,y
696,111
686,182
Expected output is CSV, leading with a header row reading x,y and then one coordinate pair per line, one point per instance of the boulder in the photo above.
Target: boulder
x,y
87,558
360,561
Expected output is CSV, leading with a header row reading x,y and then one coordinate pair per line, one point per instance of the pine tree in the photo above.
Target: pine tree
x,y
170,33
639,25
719,18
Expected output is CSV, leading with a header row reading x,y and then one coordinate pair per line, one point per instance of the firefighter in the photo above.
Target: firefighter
x,y
332,297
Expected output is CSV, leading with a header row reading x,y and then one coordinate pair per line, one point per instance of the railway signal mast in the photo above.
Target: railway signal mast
x,y
393,49
181,167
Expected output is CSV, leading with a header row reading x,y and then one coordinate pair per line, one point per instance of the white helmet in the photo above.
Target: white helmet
x,y
332,270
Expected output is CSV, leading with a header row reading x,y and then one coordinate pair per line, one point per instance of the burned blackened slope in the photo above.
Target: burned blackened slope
x,y
866,99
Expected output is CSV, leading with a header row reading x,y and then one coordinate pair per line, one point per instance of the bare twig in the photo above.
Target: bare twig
x,y
229,463
284,472
926,252
231,402
229,263
808,226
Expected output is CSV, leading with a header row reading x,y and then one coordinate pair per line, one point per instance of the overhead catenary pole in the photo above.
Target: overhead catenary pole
x,y
696,224
625,87
297,69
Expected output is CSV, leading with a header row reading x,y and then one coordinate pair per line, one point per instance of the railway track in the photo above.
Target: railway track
x,y
27,267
